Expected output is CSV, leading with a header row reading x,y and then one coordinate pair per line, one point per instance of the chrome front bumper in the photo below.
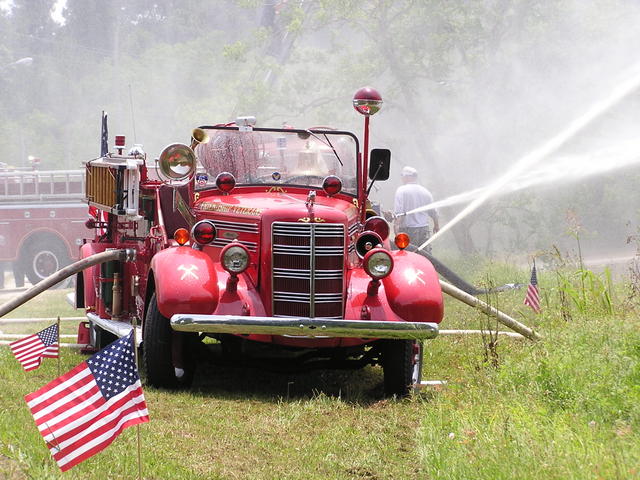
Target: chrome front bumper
x,y
303,327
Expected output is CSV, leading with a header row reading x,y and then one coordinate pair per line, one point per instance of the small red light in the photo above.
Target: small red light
x,y
402,241
225,182
181,236
332,185
204,232
120,140
90,224
378,225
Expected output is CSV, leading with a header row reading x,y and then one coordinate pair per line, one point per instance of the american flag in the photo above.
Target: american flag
x,y
30,351
533,294
80,413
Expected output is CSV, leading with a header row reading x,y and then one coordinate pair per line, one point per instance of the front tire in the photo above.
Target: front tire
x,y
401,366
161,345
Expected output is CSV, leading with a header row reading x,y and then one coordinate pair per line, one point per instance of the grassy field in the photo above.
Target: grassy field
x,y
564,408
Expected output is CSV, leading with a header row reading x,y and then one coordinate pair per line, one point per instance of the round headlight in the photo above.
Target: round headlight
x,y
204,232
235,258
378,263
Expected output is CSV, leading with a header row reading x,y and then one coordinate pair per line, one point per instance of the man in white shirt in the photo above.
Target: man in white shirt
x,y
410,196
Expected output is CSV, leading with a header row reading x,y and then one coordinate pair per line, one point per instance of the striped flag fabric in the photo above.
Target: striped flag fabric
x,y
82,412
533,294
30,351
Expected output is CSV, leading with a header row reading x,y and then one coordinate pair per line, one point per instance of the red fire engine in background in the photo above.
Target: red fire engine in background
x,y
42,221
259,240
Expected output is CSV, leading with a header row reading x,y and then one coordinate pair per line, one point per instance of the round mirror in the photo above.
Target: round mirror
x,y
177,162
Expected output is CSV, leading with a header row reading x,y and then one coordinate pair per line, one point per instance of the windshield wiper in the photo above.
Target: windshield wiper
x,y
327,143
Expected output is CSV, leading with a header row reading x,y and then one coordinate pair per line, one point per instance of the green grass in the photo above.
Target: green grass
x,y
564,408
49,304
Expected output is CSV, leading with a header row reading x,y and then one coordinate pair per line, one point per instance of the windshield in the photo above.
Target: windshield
x,y
279,157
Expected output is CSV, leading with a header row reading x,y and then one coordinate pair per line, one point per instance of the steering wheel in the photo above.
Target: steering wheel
x,y
309,176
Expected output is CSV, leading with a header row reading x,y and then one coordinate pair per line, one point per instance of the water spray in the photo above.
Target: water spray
x,y
567,168
527,161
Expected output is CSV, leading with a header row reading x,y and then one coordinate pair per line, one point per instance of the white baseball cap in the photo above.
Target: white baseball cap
x,y
409,171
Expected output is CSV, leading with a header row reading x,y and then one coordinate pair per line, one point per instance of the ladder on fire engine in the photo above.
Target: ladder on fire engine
x,y
40,186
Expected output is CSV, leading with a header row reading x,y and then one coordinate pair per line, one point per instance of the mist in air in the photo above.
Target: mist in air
x,y
469,90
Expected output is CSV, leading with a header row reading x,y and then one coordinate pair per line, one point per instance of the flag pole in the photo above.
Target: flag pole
x,y
135,353
59,348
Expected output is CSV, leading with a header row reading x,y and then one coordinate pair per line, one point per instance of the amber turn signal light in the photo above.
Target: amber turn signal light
x,y
181,236
402,241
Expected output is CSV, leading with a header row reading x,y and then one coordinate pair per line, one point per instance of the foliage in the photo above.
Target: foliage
x,y
445,68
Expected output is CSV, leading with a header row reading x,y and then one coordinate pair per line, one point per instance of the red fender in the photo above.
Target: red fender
x,y
413,288
186,281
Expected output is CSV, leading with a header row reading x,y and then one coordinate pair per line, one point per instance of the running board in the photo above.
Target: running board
x,y
118,328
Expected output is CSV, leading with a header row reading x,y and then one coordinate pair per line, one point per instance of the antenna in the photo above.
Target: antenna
x,y
133,120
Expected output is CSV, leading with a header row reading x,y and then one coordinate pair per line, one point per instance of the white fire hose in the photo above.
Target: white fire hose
x,y
502,317
124,255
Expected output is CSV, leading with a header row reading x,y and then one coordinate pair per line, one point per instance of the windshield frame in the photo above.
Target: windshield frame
x,y
319,134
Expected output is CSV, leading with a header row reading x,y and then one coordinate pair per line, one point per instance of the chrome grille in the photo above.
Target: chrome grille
x,y
308,270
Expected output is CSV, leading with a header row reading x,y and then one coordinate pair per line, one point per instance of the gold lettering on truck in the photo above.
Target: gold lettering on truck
x,y
224,208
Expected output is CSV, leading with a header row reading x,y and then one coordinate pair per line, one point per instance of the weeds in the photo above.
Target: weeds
x,y
634,271
582,288
489,328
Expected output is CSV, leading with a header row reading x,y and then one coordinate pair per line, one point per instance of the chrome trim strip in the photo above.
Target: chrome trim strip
x,y
236,227
293,233
312,327
306,250
292,250
222,242
291,296
300,274
312,289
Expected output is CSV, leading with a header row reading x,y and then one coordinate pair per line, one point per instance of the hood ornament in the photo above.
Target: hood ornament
x,y
311,199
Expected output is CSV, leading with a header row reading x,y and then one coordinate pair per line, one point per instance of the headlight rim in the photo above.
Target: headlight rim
x,y
225,251
367,259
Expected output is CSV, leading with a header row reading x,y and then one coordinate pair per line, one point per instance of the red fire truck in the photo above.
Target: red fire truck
x,y
260,239
42,221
